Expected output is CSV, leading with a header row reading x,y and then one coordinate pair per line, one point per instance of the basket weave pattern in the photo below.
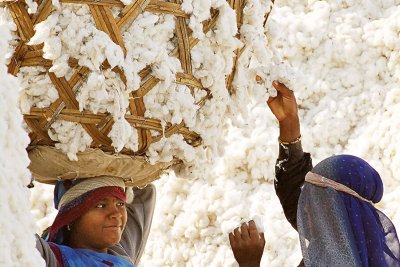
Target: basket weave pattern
x,y
98,125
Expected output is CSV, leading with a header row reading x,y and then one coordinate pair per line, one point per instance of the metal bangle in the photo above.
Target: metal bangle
x,y
298,139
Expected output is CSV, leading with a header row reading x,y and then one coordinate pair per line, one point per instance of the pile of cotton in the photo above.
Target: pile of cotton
x,y
345,72
345,55
16,224
70,32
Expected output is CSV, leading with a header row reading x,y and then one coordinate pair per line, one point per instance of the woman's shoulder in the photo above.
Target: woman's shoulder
x,y
45,250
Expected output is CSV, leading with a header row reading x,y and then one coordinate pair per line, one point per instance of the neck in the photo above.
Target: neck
x,y
75,242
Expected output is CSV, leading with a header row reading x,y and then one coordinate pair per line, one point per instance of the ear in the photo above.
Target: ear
x,y
129,194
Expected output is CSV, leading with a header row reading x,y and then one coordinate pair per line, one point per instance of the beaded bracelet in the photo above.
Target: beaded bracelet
x,y
298,139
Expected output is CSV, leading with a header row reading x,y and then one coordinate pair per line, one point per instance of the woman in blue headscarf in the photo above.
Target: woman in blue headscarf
x,y
332,204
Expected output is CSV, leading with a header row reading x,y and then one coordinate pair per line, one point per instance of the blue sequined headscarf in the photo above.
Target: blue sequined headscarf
x,y
339,229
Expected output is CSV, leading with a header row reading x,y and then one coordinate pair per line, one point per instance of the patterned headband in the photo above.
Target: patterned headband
x,y
321,181
88,185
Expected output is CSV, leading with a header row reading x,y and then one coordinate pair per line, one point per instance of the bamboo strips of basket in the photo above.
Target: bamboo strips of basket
x,y
66,106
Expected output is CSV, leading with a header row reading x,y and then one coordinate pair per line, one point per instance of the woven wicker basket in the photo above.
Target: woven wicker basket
x,y
66,106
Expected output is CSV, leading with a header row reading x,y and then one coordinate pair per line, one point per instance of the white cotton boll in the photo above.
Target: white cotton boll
x,y
24,104
148,20
60,66
192,233
127,2
200,12
189,153
52,48
272,92
4,42
42,199
176,118
121,134
133,142
187,6
114,54
284,74
167,69
207,81
95,82
56,3
229,226
7,22
71,136
37,91
133,80
43,30
104,92
197,57
258,223
148,43
32,6
94,52
17,223
167,148
226,26
37,88
172,103
91,46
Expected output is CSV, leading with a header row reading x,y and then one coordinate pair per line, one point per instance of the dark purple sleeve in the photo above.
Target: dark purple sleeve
x,y
291,168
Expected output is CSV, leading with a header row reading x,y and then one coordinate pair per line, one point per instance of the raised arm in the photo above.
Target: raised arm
x,y
284,107
292,164
140,215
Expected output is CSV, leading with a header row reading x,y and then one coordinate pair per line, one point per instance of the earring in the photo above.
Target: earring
x,y
68,227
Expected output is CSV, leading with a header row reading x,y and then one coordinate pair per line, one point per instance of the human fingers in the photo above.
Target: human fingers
x,y
275,104
236,233
245,232
281,88
232,240
253,230
262,238
271,99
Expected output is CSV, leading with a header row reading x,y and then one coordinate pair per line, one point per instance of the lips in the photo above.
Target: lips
x,y
113,227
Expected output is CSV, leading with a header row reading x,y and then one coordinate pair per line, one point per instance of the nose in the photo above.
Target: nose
x,y
114,212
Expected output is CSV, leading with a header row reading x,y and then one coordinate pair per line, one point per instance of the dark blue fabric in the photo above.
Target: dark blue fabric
x,y
86,257
375,234
61,187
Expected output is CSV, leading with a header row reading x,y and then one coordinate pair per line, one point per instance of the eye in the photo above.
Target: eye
x,y
121,204
100,205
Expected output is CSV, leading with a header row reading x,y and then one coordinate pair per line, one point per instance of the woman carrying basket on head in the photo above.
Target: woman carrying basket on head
x,y
96,224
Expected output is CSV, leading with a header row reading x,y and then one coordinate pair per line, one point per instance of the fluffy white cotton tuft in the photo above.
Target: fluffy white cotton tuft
x,y
71,138
16,224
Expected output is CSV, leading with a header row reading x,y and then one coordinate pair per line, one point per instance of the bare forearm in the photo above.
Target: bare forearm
x,y
289,129
250,265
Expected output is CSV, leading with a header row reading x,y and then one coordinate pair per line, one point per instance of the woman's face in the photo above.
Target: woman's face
x,y
100,227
